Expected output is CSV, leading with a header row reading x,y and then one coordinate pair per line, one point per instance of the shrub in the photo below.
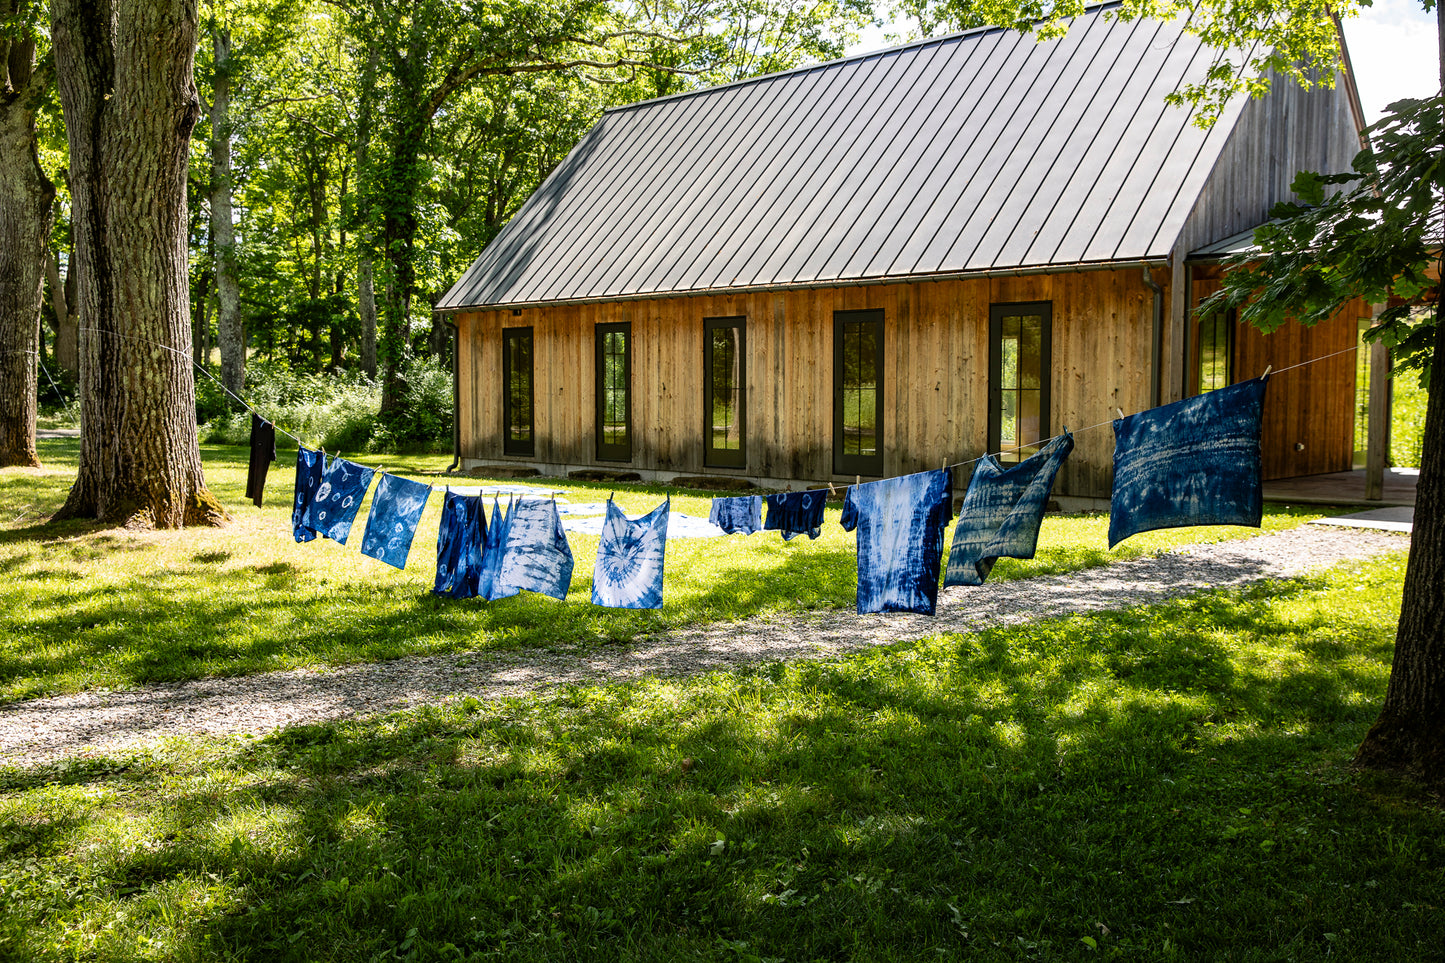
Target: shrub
x,y
1407,421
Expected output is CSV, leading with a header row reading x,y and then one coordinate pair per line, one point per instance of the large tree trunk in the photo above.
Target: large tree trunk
x,y
129,94
365,280
26,198
230,327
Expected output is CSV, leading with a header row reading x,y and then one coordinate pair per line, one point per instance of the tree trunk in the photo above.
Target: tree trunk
x,y
366,308
365,280
230,327
128,90
26,205
65,333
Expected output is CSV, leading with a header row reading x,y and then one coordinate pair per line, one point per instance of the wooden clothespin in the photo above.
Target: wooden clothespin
x,y
1121,413
832,492
1267,369
857,479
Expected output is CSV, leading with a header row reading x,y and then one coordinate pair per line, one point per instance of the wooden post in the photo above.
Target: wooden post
x,y
1379,427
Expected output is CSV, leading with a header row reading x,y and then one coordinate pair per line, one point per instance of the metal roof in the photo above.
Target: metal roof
x,y
979,151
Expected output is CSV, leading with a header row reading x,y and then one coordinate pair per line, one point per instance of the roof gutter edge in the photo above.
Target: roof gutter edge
x,y
1079,267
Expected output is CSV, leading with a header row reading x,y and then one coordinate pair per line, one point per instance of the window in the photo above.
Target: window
x,y
725,392
1216,351
1019,343
858,392
517,437
614,392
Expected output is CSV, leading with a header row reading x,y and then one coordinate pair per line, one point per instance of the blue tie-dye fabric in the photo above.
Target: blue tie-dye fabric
x,y
459,546
796,513
535,554
494,546
630,555
1193,462
395,509
338,499
900,524
740,515
1001,513
309,466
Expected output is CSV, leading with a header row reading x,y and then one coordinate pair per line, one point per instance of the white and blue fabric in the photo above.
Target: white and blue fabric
x,y
630,556
494,544
1002,512
796,513
900,523
1193,462
395,510
459,546
338,498
535,553
738,515
309,466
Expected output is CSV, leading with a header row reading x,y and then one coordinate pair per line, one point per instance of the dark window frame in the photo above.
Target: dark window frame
x,y
511,446
847,464
725,457
607,451
996,314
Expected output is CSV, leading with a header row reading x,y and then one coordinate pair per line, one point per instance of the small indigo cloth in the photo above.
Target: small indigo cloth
x,y
338,499
263,452
459,546
740,515
900,524
1002,511
309,466
628,573
1193,462
535,555
395,509
796,513
494,545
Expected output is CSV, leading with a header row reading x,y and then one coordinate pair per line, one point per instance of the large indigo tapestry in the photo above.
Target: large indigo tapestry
x,y
309,467
796,513
1002,511
395,509
535,555
739,515
900,523
630,555
1193,462
338,499
459,546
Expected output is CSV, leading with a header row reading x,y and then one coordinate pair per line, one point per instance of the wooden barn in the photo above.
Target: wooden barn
x,y
899,260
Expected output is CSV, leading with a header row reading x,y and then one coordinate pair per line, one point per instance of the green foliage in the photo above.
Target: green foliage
x,y
1407,422
423,419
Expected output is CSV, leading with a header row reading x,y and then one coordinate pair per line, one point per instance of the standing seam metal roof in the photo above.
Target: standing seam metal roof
x,y
984,150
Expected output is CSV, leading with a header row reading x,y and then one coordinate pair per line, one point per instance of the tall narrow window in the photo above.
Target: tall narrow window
x,y
1020,337
858,392
518,436
614,392
1216,351
725,391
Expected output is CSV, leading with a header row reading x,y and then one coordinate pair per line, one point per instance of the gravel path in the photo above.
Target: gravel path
x,y
43,730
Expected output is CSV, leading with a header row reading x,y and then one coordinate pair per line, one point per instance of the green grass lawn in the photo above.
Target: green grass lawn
x,y
82,607
1166,783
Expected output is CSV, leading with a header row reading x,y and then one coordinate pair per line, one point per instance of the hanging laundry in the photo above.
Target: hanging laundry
x,y
535,555
1002,511
1193,462
796,513
738,515
900,524
628,573
395,510
343,486
263,452
679,525
309,466
459,546
494,545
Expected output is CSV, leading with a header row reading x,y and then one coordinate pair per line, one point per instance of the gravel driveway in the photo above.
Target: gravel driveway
x,y
90,723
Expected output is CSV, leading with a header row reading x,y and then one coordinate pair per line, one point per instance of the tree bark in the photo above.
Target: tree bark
x,y
26,205
230,327
365,280
65,333
126,71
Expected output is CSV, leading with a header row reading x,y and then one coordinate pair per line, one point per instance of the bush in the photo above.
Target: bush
x,y
423,422
1407,421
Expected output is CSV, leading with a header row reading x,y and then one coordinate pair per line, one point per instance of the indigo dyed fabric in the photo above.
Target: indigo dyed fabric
x,y
1193,462
535,554
459,546
494,545
395,509
309,466
900,524
338,499
796,513
741,515
628,573
263,452
1001,513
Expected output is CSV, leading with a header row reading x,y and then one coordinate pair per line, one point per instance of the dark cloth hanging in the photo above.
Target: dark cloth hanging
x,y
535,555
459,546
395,510
338,499
900,523
630,557
796,513
494,546
738,515
263,452
1002,511
1193,462
309,467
